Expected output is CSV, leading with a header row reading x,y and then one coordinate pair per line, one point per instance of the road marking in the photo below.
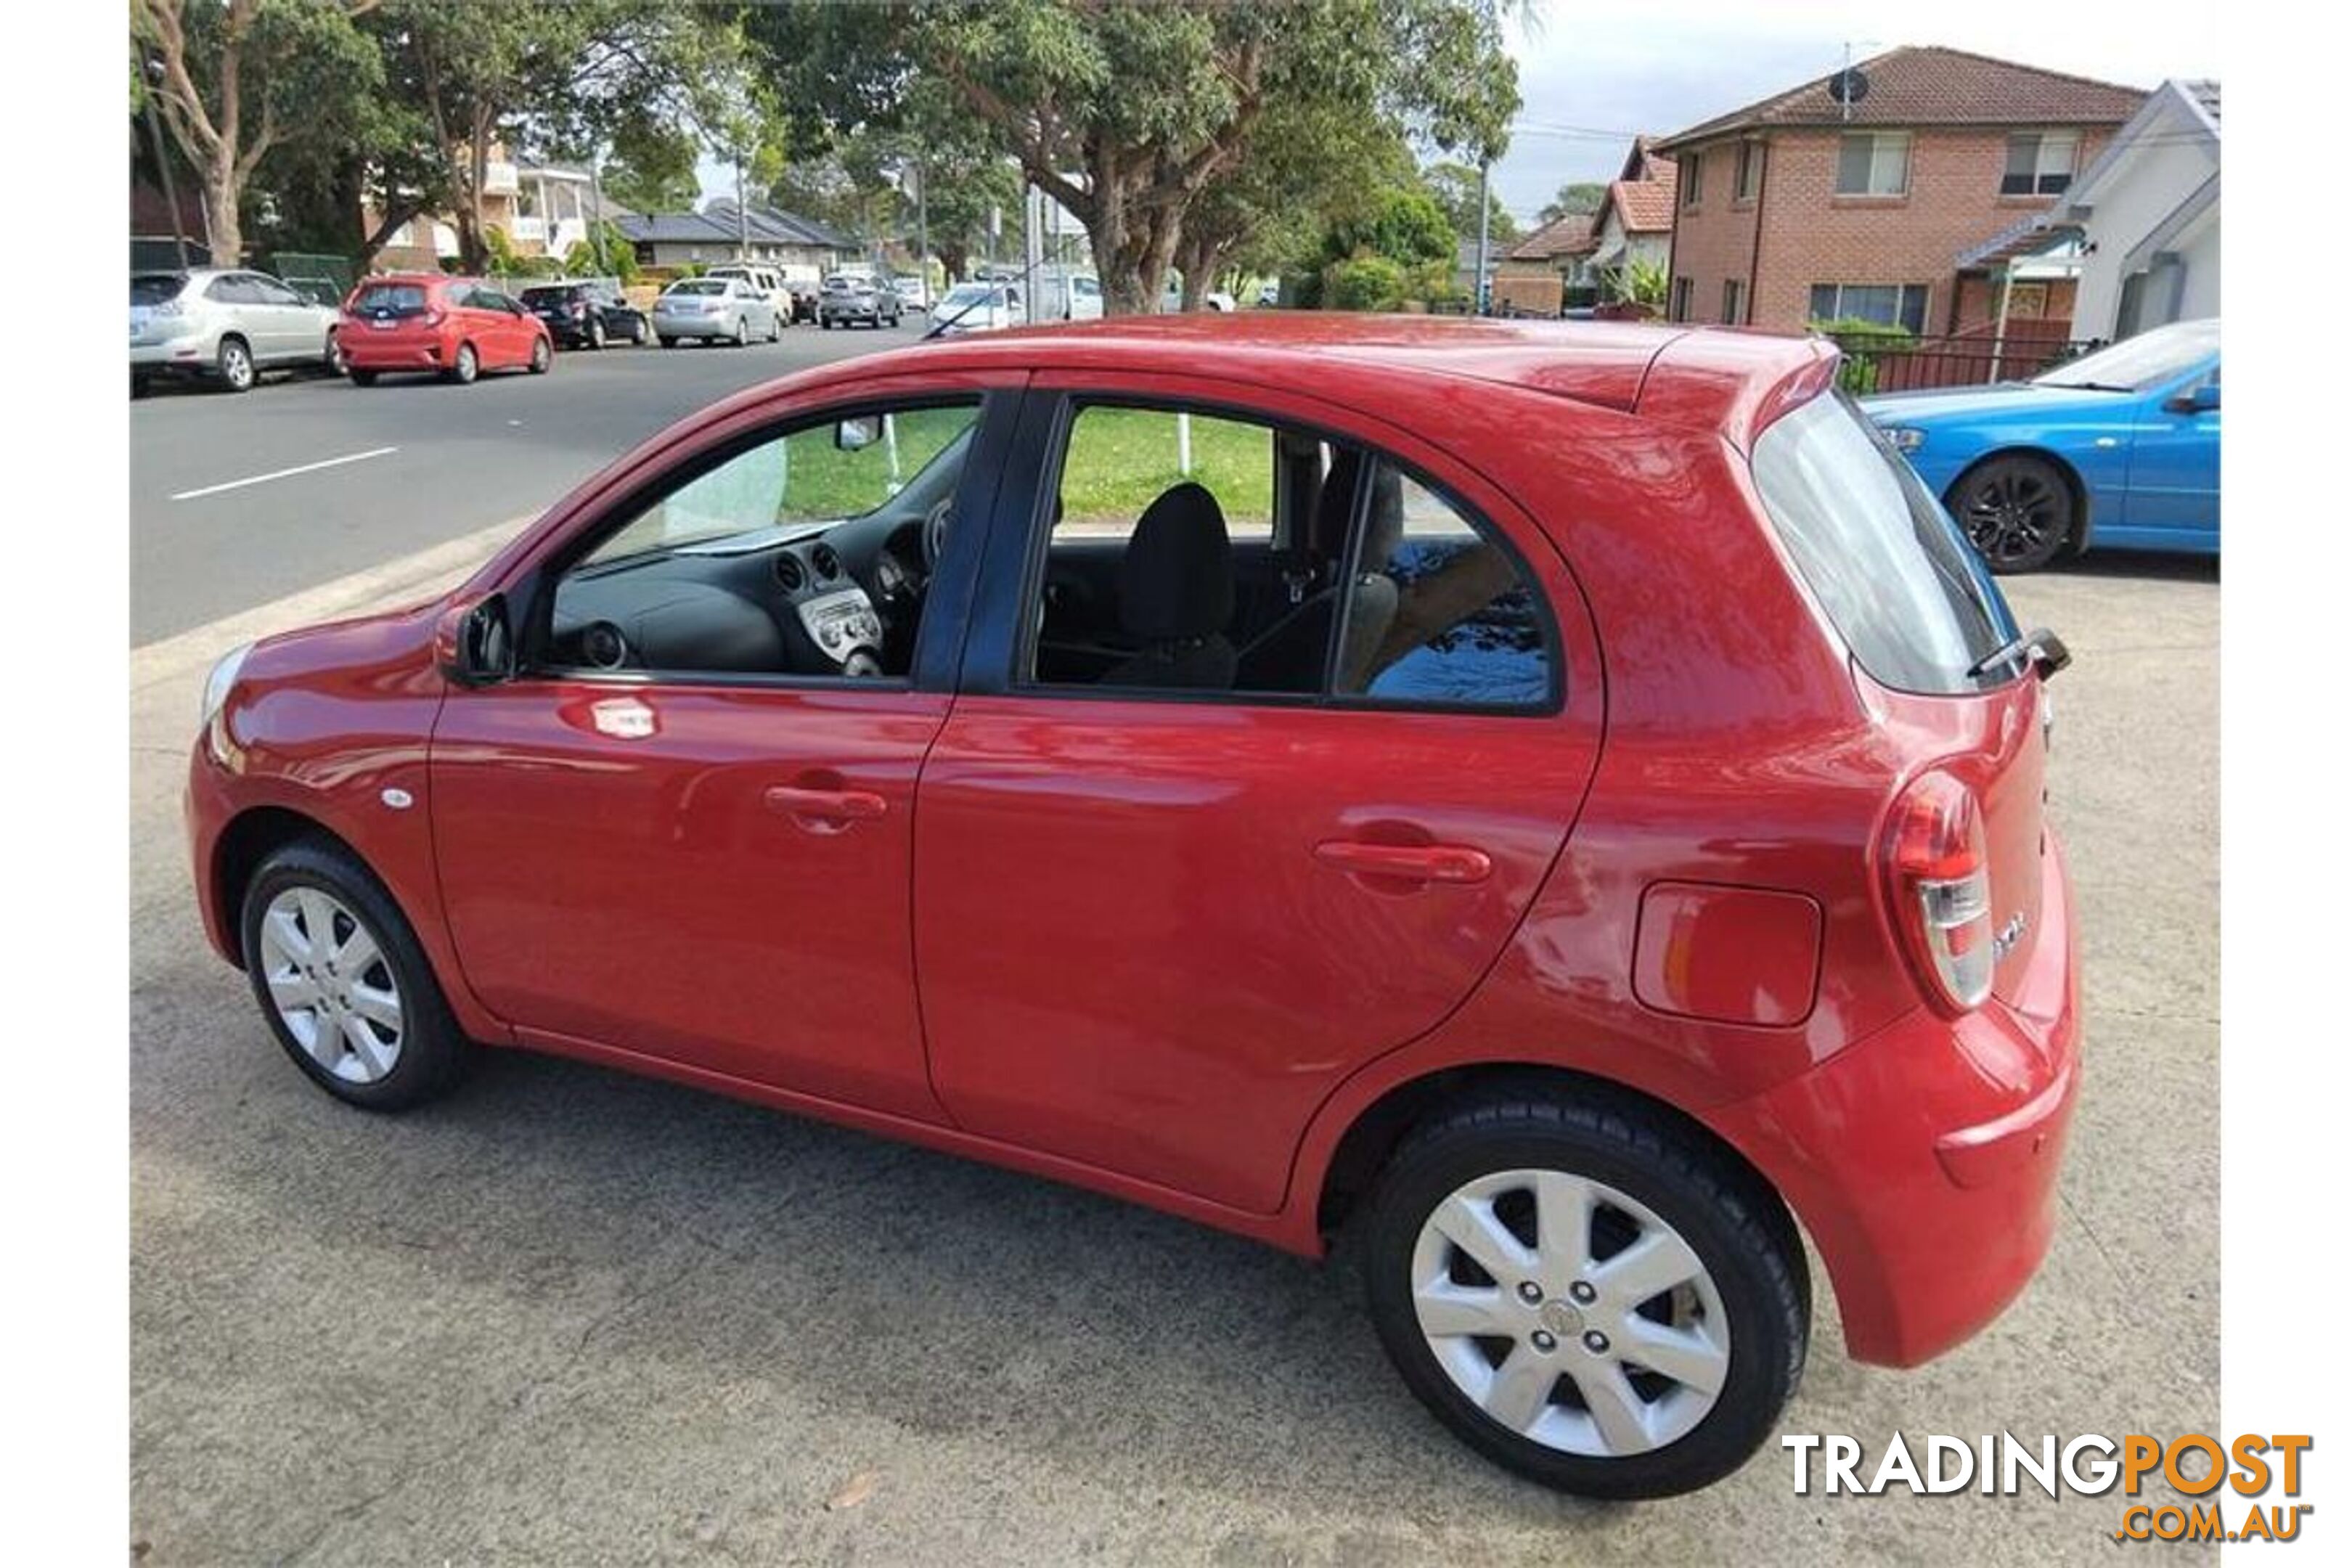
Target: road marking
x,y
286,473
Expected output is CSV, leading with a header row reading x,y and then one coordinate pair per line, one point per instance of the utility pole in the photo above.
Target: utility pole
x,y
1480,287
154,68
743,213
922,228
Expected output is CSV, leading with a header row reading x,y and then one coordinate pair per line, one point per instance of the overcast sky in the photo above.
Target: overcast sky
x,y
1590,75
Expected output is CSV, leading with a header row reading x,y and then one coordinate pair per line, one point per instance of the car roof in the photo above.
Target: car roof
x,y
1727,379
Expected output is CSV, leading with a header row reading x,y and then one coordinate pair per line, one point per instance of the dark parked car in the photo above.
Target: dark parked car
x,y
587,314
1562,808
848,300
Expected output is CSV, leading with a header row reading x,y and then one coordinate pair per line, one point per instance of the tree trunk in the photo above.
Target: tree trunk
x,y
223,218
954,254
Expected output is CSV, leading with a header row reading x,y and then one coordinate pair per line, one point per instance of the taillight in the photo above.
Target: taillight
x,y
1942,891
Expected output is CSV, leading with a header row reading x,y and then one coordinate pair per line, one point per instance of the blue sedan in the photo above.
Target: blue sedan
x,y
2120,448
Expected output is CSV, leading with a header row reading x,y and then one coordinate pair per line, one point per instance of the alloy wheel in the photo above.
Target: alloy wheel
x,y
235,366
332,985
1569,1312
2016,515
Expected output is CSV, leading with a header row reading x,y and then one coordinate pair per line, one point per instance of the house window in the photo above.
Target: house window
x,y
1889,304
1679,308
1734,292
2040,164
1873,163
1691,168
1748,171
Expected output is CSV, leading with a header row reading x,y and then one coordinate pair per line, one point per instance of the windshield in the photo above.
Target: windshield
x,y
2141,364
1881,556
155,288
965,294
700,286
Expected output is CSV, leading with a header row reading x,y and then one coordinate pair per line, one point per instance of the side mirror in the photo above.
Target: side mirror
x,y
2201,399
856,435
474,644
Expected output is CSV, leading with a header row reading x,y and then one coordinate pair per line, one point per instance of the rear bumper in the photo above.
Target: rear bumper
x,y
1924,1161
364,350
184,356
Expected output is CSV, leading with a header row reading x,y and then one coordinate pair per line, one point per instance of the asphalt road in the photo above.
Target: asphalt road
x,y
570,1317
460,458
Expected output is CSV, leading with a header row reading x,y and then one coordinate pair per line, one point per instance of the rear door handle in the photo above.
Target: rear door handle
x,y
837,807
1409,862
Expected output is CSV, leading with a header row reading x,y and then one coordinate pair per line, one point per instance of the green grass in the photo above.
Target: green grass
x,y
827,482
1120,459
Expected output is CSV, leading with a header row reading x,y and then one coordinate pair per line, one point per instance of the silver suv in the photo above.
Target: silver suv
x,y
226,326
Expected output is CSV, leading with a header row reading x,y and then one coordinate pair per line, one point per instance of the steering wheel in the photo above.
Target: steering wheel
x,y
935,534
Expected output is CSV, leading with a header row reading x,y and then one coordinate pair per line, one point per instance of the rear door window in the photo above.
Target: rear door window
x,y
1888,567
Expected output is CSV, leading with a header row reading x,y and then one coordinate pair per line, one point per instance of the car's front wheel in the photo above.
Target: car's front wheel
x,y
2018,510
346,988
1585,1296
234,363
541,356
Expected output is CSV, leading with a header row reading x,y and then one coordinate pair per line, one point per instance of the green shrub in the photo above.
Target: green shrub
x,y
1366,283
1863,344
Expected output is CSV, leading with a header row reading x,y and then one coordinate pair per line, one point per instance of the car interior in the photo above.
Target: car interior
x,y
810,555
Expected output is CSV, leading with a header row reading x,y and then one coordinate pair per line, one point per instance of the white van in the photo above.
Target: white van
x,y
767,280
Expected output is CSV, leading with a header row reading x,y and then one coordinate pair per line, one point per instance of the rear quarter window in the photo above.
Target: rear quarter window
x,y
1883,559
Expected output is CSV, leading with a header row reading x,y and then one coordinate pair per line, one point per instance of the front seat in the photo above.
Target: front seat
x,y
1176,595
1288,655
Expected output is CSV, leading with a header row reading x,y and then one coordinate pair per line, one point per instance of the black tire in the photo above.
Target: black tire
x,y
465,366
670,342
775,328
335,365
233,362
433,1053
2017,510
1737,1228
595,332
140,386
742,337
825,321
640,334
542,354
363,377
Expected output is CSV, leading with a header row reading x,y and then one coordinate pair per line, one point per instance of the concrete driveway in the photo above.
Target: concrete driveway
x,y
570,1317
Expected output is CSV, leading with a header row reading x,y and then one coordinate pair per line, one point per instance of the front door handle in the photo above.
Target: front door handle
x,y
825,810
1407,862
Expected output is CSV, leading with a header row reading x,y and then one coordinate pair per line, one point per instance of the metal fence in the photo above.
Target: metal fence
x,y
1910,364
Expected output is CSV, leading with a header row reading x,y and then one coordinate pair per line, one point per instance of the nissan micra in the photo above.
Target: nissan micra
x,y
1556,807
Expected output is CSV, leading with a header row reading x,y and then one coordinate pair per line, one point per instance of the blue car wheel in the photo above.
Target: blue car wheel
x,y
2018,510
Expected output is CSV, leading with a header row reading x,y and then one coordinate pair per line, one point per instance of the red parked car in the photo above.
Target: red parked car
x,y
456,327
1562,805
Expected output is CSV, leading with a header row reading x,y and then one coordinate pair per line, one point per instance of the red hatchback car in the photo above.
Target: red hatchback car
x,y
454,327
1560,806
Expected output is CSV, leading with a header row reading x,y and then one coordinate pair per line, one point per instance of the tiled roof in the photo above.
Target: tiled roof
x,y
1568,236
1933,86
1645,207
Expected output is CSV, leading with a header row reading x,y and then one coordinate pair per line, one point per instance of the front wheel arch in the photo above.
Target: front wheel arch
x,y
2078,523
251,838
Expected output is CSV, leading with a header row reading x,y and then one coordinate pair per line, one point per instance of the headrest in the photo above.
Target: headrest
x,y
1176,580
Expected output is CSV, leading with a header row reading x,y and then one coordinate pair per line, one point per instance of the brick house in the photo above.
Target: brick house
x,y
1799,207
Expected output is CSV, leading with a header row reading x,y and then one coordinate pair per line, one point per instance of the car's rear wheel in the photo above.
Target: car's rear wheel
x,y
363,378
541,356
2018,510
465,366
1584,1296
343,982
743,332
234,363
335,365
139,385
670,342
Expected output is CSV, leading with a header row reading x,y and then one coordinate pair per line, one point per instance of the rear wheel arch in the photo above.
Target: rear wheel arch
x,y
1363,1150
